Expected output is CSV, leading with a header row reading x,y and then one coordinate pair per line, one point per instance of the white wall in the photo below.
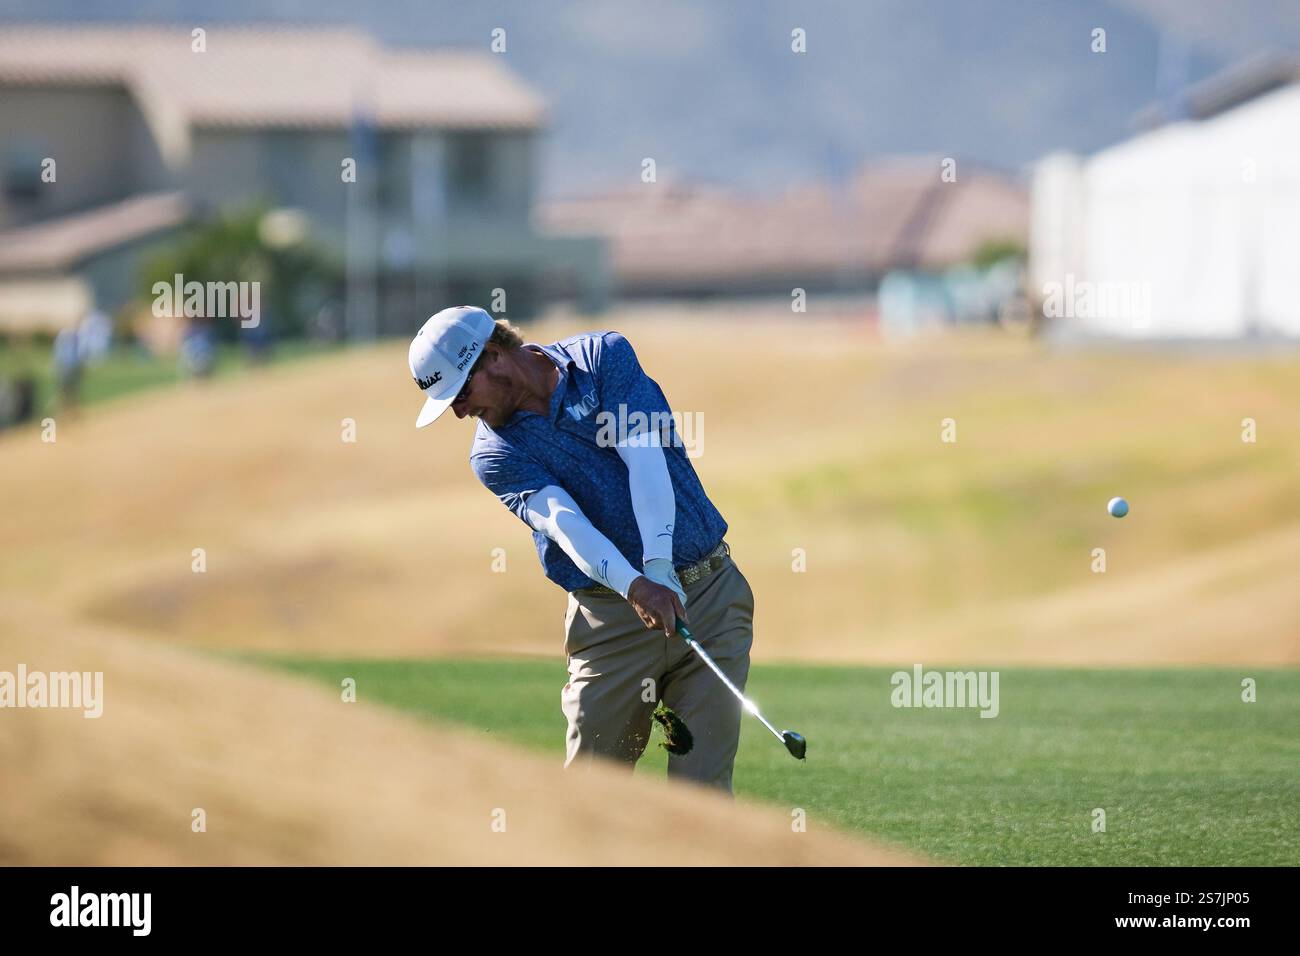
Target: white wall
x,y
1056,219
1203,218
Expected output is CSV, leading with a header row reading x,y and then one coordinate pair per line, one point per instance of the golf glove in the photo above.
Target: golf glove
x,y
660,571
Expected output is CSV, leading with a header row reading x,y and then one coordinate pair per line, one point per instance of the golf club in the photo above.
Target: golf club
x,y
794,742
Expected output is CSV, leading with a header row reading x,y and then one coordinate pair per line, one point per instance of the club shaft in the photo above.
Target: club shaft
x,y
748,705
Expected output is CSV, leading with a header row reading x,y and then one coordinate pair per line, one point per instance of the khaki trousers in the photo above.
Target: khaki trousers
x,y
619,669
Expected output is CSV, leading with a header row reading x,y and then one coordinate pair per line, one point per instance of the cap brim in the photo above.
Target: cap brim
x,y
433,407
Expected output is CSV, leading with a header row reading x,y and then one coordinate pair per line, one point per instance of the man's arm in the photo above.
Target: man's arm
x,y
553,512
653,505
624,385
652,494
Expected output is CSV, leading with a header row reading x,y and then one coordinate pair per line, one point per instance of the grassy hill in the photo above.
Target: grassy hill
x,y
814,437
324,554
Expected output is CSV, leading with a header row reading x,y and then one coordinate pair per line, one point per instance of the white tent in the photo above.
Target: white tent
x,y
1189,231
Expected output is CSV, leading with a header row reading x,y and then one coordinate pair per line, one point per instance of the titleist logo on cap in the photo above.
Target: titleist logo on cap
x,y
433,379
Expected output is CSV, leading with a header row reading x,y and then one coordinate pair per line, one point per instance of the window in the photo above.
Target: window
x,y
22,171
469,166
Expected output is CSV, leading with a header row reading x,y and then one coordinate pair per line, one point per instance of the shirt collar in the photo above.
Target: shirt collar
x,y
562,361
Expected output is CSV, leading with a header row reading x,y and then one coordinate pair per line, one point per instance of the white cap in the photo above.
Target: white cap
x,y
442,353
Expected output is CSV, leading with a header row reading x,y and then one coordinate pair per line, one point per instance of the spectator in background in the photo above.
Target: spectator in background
x,y
17,380
199,348
257,340
94,336
67,367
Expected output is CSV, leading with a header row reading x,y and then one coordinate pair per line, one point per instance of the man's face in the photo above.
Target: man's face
x,y
487,393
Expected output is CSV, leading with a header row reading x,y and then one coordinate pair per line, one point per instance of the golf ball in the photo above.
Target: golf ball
x,y
1117,507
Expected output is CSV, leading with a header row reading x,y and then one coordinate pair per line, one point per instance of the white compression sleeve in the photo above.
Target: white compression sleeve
x,y
553,512
653,501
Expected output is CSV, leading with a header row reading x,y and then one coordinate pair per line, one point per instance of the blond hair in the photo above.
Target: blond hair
x,y
506,336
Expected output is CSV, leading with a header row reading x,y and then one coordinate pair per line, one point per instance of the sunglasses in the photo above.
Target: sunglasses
x,y
464,389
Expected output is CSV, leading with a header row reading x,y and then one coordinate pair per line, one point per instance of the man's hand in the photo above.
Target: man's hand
x,y
658,606
660,571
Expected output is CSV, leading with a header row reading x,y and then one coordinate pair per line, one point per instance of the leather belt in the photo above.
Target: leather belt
x,y
688,575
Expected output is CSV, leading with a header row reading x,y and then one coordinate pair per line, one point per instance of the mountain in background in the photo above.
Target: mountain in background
x,y
713,92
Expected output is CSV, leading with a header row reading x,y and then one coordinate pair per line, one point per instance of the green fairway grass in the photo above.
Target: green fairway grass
x,y
1186,772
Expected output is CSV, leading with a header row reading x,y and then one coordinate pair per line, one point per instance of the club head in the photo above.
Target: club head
x,y
795,744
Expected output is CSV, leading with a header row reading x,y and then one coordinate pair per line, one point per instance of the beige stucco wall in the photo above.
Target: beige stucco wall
x,y
101,145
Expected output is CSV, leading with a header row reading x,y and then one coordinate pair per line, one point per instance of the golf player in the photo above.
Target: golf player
x,y
620,521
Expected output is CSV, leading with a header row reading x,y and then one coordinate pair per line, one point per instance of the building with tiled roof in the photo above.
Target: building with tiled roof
x,y
895,214
150,126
